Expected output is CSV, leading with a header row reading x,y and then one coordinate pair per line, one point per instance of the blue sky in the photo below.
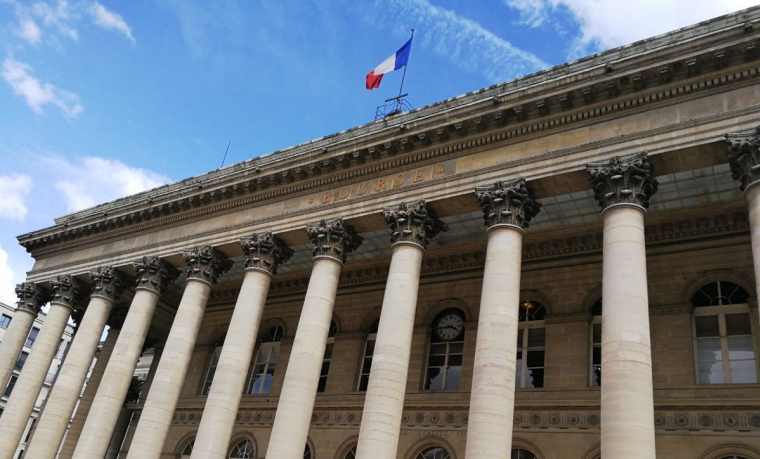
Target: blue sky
x,y
101,99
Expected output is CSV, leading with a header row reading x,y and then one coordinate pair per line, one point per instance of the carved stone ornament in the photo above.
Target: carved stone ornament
x,y
623,180
154,274
508,203
68,291
413,222
31,297
265,252
333,238
205,263
744,157
108,283
117,317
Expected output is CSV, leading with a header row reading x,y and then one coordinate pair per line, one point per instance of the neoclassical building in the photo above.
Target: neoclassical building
x,y
557,267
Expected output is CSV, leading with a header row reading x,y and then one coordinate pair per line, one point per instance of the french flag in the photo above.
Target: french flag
x,y
395,62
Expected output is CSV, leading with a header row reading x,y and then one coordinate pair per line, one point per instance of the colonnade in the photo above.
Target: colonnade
x,y
622,186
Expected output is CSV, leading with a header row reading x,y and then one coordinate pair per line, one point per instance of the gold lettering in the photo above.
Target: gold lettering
x,y
418,176
398,181
327,197
380,185
359,190
343,194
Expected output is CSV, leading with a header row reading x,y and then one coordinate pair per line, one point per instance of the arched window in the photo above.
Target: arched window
x,y
212,366
522,454
733,457
307,452
595,345
243,450
369,350
266,361
434,453
531,342
351,454
446,349
328,357
723,338
188,450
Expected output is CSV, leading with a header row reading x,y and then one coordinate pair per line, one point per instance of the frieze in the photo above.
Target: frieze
x,y
110,224
205,264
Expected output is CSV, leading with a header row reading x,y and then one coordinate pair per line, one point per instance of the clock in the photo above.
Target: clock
x,y
449,326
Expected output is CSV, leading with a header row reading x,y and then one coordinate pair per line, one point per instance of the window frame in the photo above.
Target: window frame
x,y
595,320
371,337
265,345
5,321
721,311
528,325
36,335
324,372
445,368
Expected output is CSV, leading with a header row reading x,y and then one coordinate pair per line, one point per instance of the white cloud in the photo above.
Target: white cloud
x,y
93,180
465,43
7,287
606,24
37,93
29,31
61,17
110,20
13,189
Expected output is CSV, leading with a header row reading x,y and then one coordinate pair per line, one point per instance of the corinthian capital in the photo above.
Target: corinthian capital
x,y
31,297
265,252
154,274
333,238
68,291
108,283
205,263
413,222
744,156
623,180
508,203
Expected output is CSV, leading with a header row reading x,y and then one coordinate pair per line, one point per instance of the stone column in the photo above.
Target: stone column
x,y
115,322
508,208
153,276
205,265
623,186
744,159
264,253
333,240
68,293
107,287
31,297
412,225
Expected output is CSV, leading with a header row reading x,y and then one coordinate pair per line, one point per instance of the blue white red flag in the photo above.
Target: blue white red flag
x,y
395,62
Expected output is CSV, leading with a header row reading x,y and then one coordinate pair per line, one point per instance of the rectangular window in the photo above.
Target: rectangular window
x,y
741,349
31,429
32,336
596,354
444,365
5,321
21,360
9,388
369,349
530,358
325,368
725,351
211,370
263,368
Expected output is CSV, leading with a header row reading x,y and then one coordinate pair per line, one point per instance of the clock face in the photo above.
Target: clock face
x,y
449,327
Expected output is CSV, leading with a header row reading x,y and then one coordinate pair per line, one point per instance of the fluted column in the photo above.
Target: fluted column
x,y
412,225
107,287
508,208
333,240
115,322
68,293
31,297
623,186
264,253
744,159
153,276
205,265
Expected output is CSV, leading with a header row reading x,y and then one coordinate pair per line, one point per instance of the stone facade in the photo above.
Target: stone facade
x,y
435,279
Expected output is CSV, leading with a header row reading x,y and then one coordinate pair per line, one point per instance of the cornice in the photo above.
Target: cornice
x,y
505,117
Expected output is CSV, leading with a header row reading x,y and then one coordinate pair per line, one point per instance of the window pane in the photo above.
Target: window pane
x,y
328,351
455,360
597,333
434,379
518,376
740,348
452,377
738,324
370,348
596,379
535,359
708,349
707,326
711,372
437,360
438,349
535,377
363,382
536,337
743,371
456,348
597,355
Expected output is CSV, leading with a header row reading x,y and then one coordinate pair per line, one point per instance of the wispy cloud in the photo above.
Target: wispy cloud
x,y
29,31
464,42
604,24
14,188
36,92
60,17
107,19
93,180
7,287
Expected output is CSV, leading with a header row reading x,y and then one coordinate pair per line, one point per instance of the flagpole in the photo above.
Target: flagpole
x,y
403,77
